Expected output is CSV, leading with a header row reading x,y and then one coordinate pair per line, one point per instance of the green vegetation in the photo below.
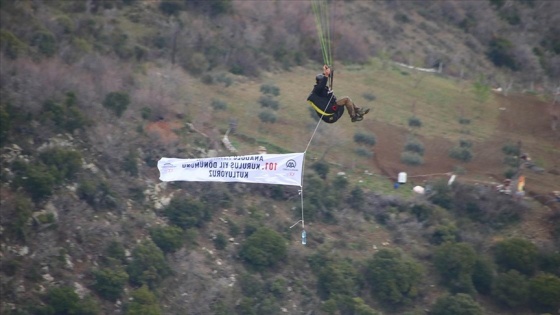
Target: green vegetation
x,y
167,238
518,254
148,265
394,278
66,116
364,138
462,152
64,301
413,152
187,213
544,292
117,102
220,242
219,105
144,302
81,203
455,263
97,193
459,304
511,288
267,116
109,282
264,249
270,89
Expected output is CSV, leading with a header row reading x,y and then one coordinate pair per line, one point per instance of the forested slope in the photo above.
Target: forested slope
x,y
93,93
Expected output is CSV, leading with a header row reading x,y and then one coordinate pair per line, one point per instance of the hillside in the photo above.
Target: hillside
x,y
94,93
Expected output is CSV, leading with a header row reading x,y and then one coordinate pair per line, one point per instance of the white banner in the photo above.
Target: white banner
x,y
282,169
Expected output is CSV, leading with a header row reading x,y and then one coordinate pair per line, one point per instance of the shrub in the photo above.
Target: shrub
x,y
465,144
270,89
251,286
62,164
220,242
114,253
394,278
511,288
45,42
148,265
227,81
143,302
16,213
486,207
550,261
109,282
459,304
129,164
455,263
401,18
414,122
411,158
369,96
186,213
10,44
340,183
415,146
117,102
267,102
501,53
337,278
35,179
464,121
511,149
518,254
5,124
483,276
219,105
170,7
544,292
321,168
366,139
363,152
442,195
97,194
234,229
64,301
267,116
422,212
146,113
461,154
444,233
263,249
66,116
168,238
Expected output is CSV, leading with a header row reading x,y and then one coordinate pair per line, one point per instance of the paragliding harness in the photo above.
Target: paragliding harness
x,y
325,106
332,111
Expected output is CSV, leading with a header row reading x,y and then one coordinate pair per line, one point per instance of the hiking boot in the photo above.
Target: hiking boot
x,y
362,111
357,118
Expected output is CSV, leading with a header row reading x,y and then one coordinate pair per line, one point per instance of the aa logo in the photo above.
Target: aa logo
x,y
291,164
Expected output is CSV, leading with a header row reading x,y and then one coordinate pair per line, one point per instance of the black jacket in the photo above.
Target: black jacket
x,y
323,102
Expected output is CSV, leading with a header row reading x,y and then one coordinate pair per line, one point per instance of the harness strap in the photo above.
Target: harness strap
x,y
319,110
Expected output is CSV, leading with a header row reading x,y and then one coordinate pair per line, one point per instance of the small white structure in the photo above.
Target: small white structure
x,y
402,178
419,190
451,180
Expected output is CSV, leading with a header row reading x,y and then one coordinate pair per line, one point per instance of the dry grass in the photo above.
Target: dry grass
x,y
439,102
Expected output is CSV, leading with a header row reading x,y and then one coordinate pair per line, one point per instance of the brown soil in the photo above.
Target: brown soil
x,y
522,120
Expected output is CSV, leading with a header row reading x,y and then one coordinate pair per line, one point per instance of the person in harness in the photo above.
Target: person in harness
x,y
324,102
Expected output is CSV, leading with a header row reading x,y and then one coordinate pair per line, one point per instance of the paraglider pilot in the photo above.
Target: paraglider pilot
x,y
326,105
